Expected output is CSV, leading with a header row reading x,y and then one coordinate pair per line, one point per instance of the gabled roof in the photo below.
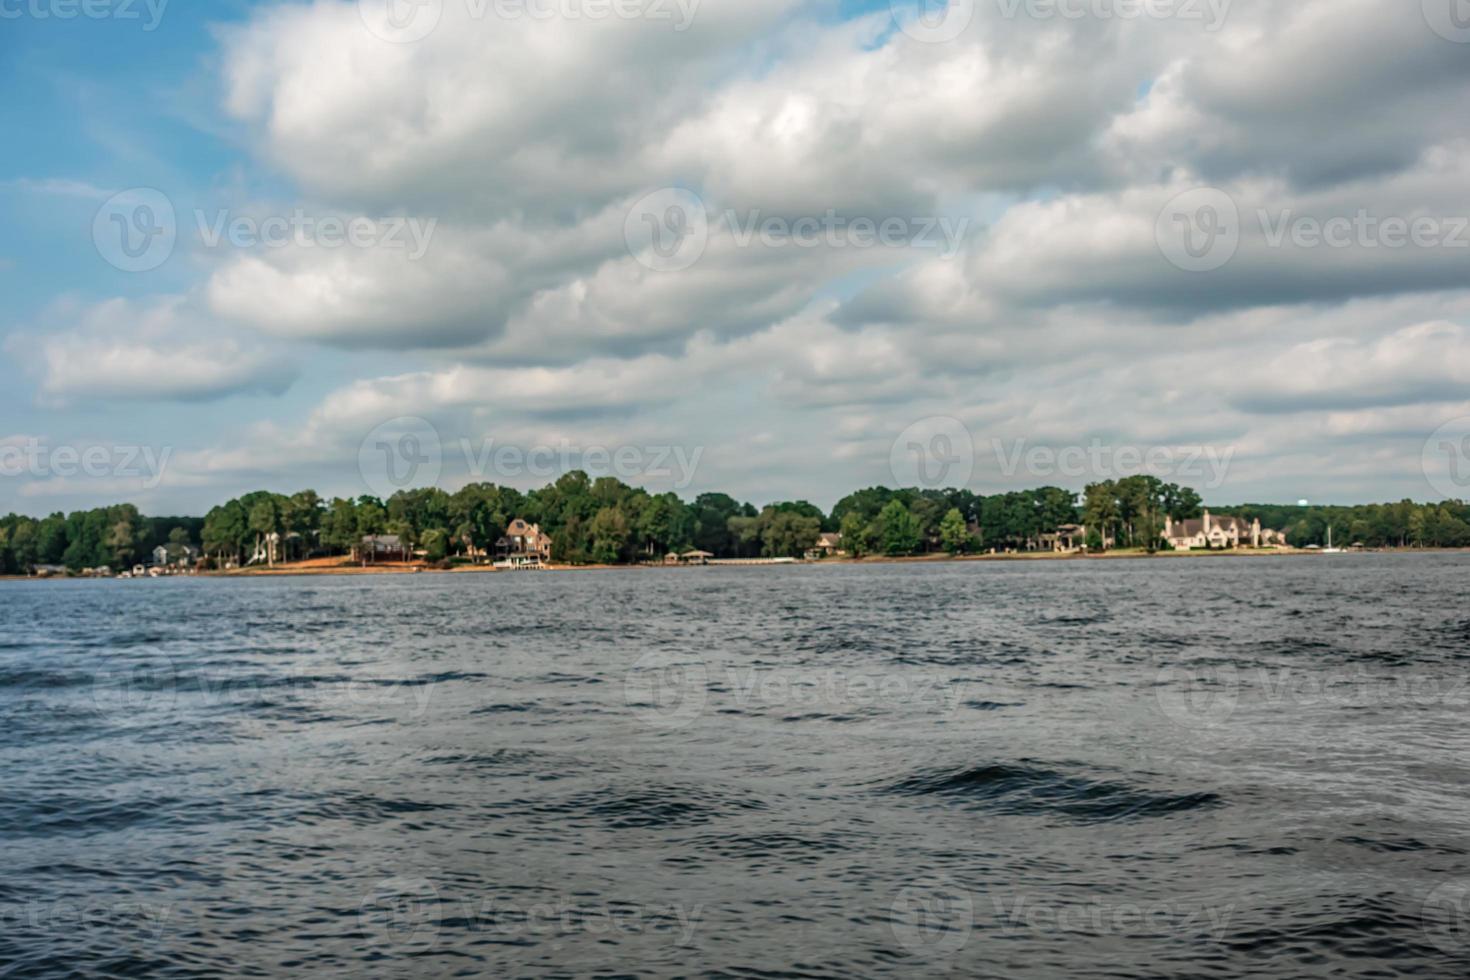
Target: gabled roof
x,y
1189,528
383,540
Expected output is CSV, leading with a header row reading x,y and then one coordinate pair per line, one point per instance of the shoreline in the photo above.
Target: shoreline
x,y
318,567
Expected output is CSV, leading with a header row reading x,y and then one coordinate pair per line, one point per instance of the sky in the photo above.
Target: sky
x,y
778,248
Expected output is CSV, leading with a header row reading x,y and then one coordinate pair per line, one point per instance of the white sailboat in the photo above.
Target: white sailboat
x,y
1330,550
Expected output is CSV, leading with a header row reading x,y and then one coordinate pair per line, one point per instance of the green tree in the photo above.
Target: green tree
x,y
859,536
226,531
301,515
264,521
23,547
123,542
901,533
339,526
787,533
609,533
1101,512
51,540
178,543
745,535
710,516
1418,528
436,544
953,532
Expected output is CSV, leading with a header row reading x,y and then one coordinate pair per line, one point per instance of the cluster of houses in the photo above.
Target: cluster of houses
x,y
1199,533
526,546
523,546
164,560
172,559
1204,532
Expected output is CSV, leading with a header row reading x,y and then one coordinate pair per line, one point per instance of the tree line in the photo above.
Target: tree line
x,y
606,521
1405,524
115,537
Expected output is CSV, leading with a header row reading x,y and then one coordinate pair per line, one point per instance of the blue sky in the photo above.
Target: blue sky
x,y
1032,305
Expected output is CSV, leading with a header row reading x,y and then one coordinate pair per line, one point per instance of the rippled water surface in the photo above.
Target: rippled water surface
x,y
1096,769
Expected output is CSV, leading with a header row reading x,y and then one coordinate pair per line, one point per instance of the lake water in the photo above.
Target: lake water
x,y
1201,767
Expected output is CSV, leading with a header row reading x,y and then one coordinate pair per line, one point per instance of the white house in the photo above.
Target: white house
x,y
1218,533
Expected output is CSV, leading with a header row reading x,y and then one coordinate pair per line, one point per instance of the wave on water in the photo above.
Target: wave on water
x,y
883,771
776,847
25,678
1390,928
1023,789
646,808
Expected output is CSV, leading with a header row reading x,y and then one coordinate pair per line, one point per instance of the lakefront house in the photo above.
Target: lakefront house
x,y
381,547
1071,539
827,545
182,555
1219,533
524,542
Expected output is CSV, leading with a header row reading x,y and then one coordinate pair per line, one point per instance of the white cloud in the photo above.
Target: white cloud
x,y
1061,320
162,350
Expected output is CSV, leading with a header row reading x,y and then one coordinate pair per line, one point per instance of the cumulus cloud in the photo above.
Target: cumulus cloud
x,y
1063,313
159,350
1424,363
